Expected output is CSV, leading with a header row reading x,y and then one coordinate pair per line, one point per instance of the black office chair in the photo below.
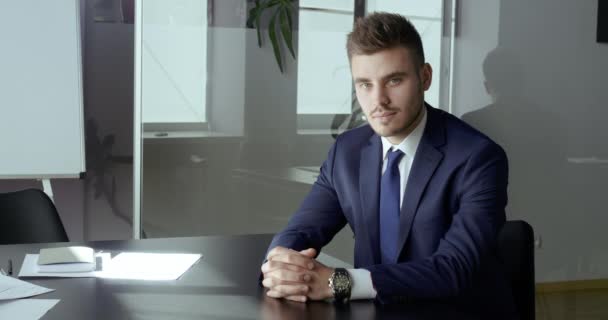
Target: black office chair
x,y
29,216
516,250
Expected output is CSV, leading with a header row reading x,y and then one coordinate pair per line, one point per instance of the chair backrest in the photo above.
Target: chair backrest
x,y
29,216
516,250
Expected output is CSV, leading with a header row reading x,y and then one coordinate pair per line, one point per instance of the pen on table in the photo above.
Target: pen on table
x,y
10,269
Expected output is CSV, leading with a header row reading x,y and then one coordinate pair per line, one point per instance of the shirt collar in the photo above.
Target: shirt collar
x,y
409,145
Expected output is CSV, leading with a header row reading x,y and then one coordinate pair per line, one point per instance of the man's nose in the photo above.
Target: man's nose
x,y
381,97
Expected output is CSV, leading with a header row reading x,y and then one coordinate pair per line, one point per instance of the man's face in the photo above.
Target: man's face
x,y
390,90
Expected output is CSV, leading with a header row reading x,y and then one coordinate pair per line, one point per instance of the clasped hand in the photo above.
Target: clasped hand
x,y
296,275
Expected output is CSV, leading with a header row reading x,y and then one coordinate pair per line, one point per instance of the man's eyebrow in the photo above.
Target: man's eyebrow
x,y
388,76
395,74
361,80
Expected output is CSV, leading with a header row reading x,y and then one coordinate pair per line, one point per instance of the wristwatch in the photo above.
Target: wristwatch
x,y
340,284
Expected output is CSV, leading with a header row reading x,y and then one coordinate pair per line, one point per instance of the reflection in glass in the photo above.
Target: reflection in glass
x,y
174,61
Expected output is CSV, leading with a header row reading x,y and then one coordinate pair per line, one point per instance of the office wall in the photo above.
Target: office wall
x,y
543,99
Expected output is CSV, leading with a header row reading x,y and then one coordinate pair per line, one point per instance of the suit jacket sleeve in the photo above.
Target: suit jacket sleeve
x,y
319,217
482,191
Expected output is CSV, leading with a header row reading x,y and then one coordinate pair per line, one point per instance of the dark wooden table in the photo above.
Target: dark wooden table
x,y
222,285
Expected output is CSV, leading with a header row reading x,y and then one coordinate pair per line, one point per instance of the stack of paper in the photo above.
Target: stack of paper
x,y
30,268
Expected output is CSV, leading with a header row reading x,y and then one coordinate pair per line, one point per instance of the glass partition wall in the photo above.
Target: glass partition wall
x,y
230,145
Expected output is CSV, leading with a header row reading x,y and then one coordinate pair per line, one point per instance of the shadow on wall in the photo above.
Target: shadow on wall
x,y
534,140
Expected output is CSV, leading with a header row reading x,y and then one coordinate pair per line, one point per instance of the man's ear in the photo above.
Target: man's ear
x,y
426,75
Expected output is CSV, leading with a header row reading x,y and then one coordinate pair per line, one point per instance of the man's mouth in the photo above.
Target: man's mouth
x,y
384,115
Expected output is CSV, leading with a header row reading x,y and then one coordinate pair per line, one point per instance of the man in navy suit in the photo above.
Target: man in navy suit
x,y
423,193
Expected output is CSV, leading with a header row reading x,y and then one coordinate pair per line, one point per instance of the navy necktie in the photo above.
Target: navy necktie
x,y
389,207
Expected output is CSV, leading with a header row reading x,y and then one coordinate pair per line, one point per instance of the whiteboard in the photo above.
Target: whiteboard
x,y
41,104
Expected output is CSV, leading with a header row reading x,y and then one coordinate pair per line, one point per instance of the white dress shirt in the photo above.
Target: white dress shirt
x,y
362,286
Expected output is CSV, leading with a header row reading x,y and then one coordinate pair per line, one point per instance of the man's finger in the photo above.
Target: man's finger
x,y
294,258
276,265
277,250
285,290
280,276
297,298
310,252
270,283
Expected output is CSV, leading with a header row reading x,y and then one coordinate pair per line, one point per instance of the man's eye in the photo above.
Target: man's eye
x,y
395,81
364,85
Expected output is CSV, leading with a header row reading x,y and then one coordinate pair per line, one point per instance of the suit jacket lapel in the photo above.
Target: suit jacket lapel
x,y
425,163
370,168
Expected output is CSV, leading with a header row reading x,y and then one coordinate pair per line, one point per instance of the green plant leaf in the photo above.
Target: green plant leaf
x,y
282,9
258,29
289,9
271,4
275,2
272,34
253,20
284,17
255,16
253,13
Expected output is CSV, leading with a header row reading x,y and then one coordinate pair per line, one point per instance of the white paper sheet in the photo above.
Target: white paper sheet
x,y
149,266
11,288
26,309
29,268
125,265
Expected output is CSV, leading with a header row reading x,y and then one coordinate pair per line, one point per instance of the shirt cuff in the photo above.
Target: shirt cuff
x,y
362,287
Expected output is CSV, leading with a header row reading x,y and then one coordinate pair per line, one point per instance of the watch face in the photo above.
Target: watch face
x,y
341,282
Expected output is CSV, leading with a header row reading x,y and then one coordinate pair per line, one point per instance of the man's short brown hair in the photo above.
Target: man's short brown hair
x,y
380,31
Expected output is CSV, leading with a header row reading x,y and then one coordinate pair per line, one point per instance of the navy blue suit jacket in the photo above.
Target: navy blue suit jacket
x,y
451,213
